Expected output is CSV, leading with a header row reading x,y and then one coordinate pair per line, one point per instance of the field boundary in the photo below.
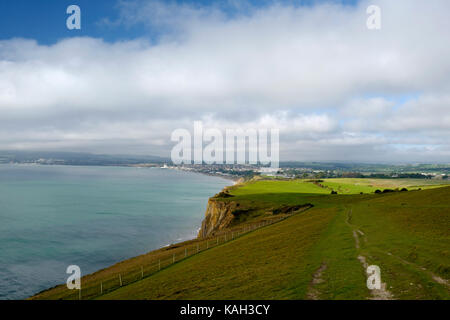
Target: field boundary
x,y
100,288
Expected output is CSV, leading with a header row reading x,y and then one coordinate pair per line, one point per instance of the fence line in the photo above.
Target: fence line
x,y
122,279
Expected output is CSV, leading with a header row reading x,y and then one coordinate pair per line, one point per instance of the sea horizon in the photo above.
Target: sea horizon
x,y
54,216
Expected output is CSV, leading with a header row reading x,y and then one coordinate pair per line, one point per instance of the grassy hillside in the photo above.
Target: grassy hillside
x,y
341,185
320,253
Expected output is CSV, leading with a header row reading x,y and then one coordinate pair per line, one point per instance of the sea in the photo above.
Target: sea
x,y
55,216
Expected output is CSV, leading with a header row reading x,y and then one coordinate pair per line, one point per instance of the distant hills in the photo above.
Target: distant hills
x,y
90,159
367,167
75,158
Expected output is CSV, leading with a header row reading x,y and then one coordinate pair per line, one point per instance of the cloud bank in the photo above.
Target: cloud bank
x,y
336,90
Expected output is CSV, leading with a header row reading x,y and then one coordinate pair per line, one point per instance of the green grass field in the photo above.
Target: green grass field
x,y
342,186
277,186
320,253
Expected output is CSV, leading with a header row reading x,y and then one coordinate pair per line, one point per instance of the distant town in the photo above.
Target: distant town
x,y
299,172
287,170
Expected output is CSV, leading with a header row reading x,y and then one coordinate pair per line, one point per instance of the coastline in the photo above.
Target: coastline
x,y
161,248
149,197
155,252
235,179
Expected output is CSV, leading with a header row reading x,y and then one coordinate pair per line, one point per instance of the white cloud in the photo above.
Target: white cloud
x,y
305,70
430,112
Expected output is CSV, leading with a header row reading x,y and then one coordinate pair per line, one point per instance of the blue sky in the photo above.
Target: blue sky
x,y
44,20
140,69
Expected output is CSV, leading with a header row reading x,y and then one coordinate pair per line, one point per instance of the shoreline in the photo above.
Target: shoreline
x,y
235,179
170,246
144,166
186,228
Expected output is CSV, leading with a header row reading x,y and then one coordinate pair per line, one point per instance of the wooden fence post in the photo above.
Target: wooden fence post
x,y
142,272
101,287
120,279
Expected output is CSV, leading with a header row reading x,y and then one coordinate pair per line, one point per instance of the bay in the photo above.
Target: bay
x,y
55,216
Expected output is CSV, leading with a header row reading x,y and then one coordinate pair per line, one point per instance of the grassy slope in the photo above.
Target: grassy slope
x,y
275,186
355,185
408,234
403,233
341,185
270,263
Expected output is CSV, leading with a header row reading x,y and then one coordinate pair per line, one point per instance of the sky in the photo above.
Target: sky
x,y
139,69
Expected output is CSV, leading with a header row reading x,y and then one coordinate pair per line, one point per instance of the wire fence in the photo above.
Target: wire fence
x,y
95,289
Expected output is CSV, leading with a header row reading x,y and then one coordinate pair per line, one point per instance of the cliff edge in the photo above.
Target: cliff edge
x,y
218,216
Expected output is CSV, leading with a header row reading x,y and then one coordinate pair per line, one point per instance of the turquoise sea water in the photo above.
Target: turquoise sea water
x,y
55,216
